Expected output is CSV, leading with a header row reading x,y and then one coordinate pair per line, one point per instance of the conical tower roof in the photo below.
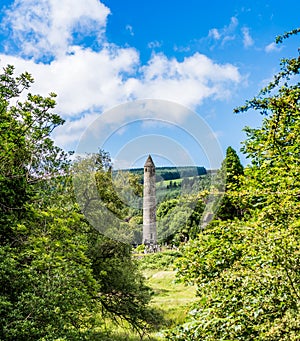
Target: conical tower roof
x,y
149,162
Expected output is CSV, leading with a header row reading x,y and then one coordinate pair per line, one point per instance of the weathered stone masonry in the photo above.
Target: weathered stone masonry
x,y
149,203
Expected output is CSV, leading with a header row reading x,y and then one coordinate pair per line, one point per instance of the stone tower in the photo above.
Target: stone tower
x,y
149,203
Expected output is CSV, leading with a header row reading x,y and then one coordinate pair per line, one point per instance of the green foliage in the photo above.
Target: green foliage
x,y
59,277
49,291
179,219
230,174
27,155
123,292
47,287
140,248
172,173
231,168
248,283
159,261
45,283
247,270
106,197
165,207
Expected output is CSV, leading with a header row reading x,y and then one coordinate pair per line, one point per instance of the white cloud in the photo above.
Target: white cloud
x,y
182,48
233,24
90,81
247,39
272,47
129,28
72,130
84,80
154,44
224,34
228,38
228,33
45,27
214,33
188,82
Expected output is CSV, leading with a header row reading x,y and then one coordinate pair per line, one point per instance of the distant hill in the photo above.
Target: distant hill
x,y
171,173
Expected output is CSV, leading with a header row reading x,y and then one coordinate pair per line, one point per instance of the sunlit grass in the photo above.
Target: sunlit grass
x,y
109,330
173,299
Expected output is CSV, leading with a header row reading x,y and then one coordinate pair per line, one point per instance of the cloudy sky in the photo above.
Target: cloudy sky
x,y
193,59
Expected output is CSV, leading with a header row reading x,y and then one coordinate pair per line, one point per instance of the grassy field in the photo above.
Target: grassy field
x,y
165,183
171,298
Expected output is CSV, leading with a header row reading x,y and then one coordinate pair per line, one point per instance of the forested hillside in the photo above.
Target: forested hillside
x,y
171,173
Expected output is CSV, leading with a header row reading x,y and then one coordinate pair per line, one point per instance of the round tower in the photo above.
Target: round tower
x,y
149,203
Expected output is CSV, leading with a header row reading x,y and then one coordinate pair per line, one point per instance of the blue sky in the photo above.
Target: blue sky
x,y
206,56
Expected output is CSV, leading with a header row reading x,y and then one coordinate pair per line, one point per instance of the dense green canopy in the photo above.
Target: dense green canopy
x,y
246,266
59,278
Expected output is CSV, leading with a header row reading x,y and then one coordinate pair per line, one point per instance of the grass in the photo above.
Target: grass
x,y
119,333
109,330
170,297
165,183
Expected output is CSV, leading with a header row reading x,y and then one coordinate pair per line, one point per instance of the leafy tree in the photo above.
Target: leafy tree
x,y
106,199
247,270
55,283
231,168
165,207
46,281
179,219
230,174
27,154
123,294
